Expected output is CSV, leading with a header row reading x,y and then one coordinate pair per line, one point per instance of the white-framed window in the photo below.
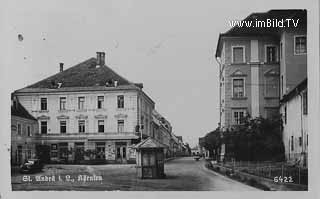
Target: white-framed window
x,y
19,129
305,102
238,116
43,104
271,86
100,102
238,54
82,126
120,99
63,126
44,127
100,126
120,126
300,44
63,101
80,103
271,54
238,87
281,50
29,131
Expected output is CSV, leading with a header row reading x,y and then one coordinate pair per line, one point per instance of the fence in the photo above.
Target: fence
x,y
277,171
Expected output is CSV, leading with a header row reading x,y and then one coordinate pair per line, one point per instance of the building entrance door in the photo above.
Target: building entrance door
x,y
79,152
121,153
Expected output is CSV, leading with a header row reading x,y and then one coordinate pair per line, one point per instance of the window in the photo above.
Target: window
x,y
81,126
300,141
285,114
120,101
300,45
238,117
142,122
100,126
100,102
281,85
63,102
28,131
238,54
120,126
43,104
19,129
271,54
271,86
292,143
80,103
305,102
281,50
63,126
44,127
238,88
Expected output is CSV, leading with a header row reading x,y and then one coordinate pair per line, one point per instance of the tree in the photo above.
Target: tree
x,y
212,142
257,139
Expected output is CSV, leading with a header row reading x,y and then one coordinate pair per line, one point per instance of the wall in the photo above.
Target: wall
x,y
254,102
110,110
27,142
293,67
295,126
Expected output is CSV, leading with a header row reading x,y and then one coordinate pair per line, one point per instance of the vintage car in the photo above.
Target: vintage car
x,y
31,165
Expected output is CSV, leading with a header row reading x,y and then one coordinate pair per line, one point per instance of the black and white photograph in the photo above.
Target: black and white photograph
x,y
154,96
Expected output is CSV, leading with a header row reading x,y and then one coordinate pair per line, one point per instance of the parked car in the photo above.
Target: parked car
x,y
197,158
31,165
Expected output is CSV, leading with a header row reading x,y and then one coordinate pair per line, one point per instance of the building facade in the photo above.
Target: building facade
x,y
88,112
294,105
24,127
259,66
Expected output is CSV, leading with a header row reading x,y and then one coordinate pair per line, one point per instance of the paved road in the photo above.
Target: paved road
x,y
183,174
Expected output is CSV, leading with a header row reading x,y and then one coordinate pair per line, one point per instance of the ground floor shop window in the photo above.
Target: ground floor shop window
x,y
100,148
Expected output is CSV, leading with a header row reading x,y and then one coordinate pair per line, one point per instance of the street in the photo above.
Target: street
x,y
183,174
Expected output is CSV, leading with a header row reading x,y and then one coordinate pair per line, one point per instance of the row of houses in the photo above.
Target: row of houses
x,y
86,113
263,73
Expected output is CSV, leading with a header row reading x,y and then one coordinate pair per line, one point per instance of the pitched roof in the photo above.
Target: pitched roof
x,y
18,110
262,31
149,143
295,91
83,75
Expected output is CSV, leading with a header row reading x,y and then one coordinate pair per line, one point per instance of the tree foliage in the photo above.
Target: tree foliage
x,y
257,139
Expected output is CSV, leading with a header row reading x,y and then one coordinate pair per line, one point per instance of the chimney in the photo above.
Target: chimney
x,y
101,58
61,67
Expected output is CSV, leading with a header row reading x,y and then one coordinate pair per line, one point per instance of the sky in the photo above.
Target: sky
x,y
168,45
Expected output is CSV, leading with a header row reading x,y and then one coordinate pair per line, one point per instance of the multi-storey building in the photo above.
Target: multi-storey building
x,y
259,65
88,112
162,132
23,129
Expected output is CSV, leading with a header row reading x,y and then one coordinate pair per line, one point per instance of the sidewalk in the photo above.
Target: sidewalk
x,y
254,180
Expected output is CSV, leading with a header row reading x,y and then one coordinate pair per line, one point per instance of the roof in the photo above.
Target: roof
x,y
18,110
83,75
263,31
295,91
149,143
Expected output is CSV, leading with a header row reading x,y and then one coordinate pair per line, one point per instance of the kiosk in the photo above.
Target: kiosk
x,y
150,159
